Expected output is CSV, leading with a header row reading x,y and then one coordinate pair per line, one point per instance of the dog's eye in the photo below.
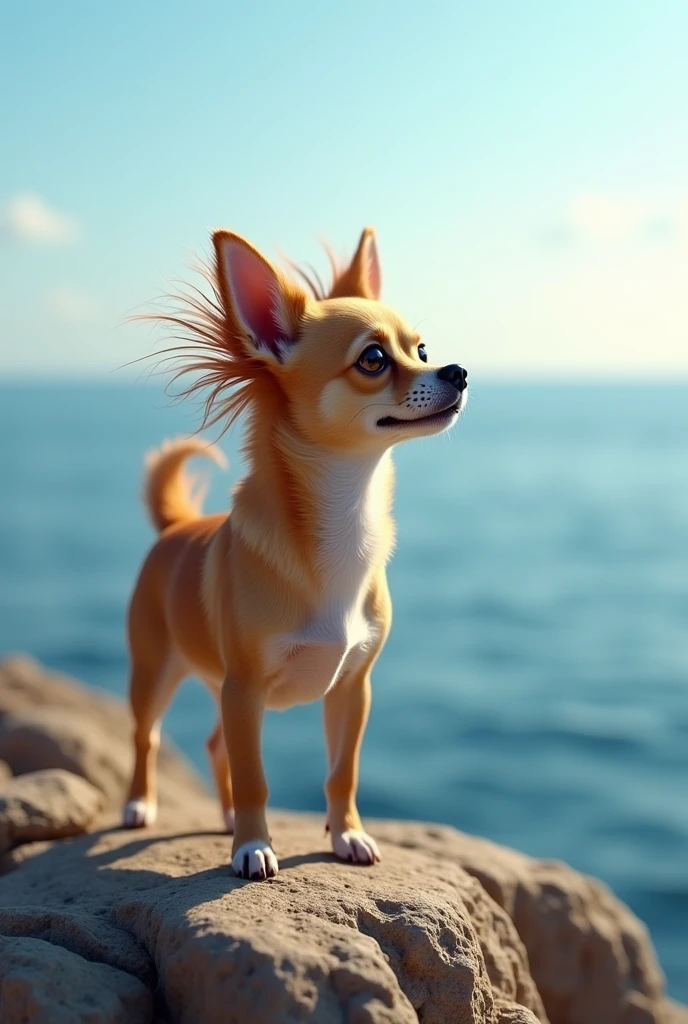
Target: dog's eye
x,y
373,360
422,354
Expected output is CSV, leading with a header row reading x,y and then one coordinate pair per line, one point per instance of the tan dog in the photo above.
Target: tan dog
x,y
284,600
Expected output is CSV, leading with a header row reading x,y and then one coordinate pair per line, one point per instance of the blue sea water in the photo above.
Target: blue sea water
x,y
535,686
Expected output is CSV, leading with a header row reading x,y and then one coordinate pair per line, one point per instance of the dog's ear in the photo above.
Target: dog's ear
x,y
264,306
362,278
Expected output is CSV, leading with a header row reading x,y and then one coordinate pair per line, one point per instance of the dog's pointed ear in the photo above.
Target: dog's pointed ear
x,y
362,278
264,306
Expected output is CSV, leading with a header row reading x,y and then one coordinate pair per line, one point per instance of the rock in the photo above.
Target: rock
x,y
50,804
590,957
57,737
27,685
45,984
49,721
323,941
449,929
82,931
675,1014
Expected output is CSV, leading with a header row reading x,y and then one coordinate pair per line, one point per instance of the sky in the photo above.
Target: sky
x,y
525,165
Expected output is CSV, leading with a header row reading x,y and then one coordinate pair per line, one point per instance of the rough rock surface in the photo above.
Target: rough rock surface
x,y
322,941
153,926
51,804
45,984
590,957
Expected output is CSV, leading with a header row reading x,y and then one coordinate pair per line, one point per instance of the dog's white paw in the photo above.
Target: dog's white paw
x,y
139,813
255,859
228,817
355,845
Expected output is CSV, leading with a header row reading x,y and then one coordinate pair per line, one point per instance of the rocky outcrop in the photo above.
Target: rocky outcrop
x,y
45,984
322,941
589,956
153,926
51,804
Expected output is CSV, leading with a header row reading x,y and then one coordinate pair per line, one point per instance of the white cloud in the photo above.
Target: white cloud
x,y
27,218
72,305
600,217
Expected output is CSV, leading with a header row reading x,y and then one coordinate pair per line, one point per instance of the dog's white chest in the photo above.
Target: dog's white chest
x,y
308,663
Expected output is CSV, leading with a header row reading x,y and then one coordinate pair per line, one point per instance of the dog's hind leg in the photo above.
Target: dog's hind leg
x,y
219,761
156,672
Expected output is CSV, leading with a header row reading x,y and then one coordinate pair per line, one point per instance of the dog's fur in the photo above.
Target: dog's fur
x,y
284,600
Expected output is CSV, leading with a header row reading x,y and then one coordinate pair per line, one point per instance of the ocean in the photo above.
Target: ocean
x,y
534,689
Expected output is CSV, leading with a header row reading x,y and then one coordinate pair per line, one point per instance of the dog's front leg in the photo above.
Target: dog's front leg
x,y
243,704
346,709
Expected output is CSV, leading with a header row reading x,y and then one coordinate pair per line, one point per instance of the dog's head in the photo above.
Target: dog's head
x,y
347,369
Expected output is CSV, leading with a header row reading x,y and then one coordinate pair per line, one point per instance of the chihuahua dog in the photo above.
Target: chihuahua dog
x,y
284,600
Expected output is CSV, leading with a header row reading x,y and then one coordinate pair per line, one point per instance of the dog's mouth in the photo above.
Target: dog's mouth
x,y
443,416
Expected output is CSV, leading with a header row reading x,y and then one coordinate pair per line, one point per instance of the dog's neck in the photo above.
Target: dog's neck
x,y
314,512
351,499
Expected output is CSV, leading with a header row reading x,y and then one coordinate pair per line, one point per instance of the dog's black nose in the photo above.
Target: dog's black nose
x,y
455,375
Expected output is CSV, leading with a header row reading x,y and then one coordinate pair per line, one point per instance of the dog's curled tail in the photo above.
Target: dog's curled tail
x,y
168,493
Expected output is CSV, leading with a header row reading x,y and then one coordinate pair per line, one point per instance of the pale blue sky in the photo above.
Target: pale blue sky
x,y
525,165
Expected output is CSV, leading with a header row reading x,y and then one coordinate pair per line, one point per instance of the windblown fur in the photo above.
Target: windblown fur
x,y
210,346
